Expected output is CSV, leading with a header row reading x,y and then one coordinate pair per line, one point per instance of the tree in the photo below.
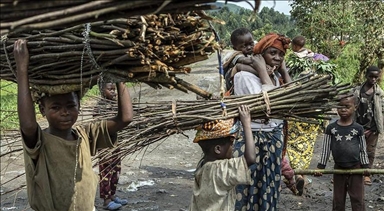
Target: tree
x,y
332,24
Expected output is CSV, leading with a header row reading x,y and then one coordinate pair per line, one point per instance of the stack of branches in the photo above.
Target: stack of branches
x,y
308,99
150,49
25,15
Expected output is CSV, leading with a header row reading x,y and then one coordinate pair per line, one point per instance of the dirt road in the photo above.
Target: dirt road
x,y
161,177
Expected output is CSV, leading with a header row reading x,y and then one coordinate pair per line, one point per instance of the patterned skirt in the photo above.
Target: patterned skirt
x,y
301,142
263,193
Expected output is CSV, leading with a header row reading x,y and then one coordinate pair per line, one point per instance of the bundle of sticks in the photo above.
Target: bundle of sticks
x,y
307,99
24,15
150,49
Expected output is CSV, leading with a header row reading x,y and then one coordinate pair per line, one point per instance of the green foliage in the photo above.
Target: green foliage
x,y
266,21
330,26
301,66
348,63
8,106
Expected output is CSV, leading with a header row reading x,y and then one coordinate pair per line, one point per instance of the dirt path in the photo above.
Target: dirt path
x,y
161,177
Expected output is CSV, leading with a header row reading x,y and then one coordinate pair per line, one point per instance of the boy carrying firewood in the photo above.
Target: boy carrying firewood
x,y
58,159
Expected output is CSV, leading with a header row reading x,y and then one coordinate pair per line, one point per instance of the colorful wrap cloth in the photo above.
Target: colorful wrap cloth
x,y
272,40
301,143
217,129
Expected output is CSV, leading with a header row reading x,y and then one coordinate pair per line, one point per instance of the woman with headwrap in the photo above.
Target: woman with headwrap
x,y
263,193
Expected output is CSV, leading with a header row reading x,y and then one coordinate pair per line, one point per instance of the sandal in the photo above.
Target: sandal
x,y
291,187
112,206
367,181
300,185
120,201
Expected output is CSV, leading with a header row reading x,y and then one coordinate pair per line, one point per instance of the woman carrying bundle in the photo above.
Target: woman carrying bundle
x,y
263,194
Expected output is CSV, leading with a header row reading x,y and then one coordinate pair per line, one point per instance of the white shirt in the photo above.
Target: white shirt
x,y
246,83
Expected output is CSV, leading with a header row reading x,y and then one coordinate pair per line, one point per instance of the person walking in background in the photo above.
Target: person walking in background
x,y
345,139
109,170
370,112
218,173
58,163
263,193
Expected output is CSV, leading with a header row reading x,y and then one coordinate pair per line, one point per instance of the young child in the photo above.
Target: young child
x,y
370,112
58,159
345,139
109,170
300,51
218,172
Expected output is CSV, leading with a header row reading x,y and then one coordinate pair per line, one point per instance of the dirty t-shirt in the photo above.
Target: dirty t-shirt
x,y
215,183
50,169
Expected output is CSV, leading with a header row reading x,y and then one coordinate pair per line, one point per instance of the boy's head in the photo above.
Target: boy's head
x,y
347,106
298,43
373,75
242,40
216,138
61,110
108,90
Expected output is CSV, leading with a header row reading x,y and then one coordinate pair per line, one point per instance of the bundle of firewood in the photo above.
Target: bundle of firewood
x,y
150,49
24,15
308,99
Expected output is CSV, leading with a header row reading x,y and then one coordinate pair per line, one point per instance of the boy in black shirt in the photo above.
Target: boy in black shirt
x,y
345,139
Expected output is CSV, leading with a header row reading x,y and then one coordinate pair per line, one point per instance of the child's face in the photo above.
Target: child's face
x,y
109,91
347,108
295,48
372,77
273,56
61,110
244,44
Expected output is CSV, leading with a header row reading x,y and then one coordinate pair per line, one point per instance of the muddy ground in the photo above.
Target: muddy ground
x,y
160,178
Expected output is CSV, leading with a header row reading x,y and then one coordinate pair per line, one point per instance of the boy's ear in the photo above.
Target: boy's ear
x,y
217,149
42,109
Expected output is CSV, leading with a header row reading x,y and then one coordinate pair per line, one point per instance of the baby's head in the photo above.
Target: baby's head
x,y
298,43
216,138
242,40
61,110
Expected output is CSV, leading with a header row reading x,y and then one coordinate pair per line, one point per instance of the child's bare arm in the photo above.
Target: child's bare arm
x,y
261,68
247,68
245,118
244,60
25,106
124,111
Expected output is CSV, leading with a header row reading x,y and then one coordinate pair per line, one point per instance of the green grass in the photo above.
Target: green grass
x,y
8,106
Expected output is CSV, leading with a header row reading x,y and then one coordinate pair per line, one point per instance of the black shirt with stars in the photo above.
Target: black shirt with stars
x,y
347,144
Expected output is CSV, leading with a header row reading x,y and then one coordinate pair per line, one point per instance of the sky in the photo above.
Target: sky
x,y
281,5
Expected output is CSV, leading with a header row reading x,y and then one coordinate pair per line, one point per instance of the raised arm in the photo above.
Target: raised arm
x,y
245,118
25,106
124,111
